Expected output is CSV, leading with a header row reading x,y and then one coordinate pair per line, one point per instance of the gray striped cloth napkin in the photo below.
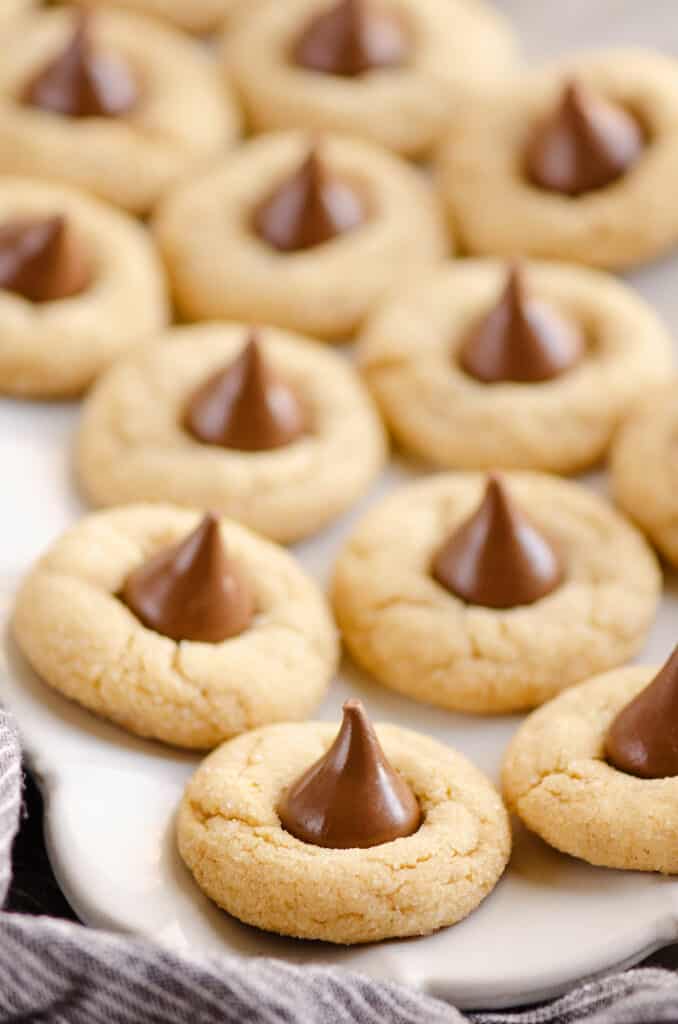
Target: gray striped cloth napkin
x,y
53,971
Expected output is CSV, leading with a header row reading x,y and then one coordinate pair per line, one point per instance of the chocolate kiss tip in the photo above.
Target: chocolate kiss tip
x,y
497,558
39,261
191,591
643,738
245,407
351,798
520,340
349,40
80,83
586,144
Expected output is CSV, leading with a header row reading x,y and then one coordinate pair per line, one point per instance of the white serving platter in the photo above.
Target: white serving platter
x,y
110,799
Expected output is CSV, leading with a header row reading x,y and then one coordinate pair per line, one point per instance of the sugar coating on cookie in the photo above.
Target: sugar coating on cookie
x,y
133,443
183,116
411,350
418,638
86,643
556,778
195,16
57,348
644,469
230,836
451,48
497,209
222,268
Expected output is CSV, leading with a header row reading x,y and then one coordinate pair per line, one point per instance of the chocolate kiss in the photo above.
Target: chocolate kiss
x,y
351,797
308,209
82,83
521,340
497,558
191,591
40,261
246,407
349,39
587,143
643,739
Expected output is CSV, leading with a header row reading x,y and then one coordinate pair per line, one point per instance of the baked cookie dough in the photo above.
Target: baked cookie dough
x,y
231,838
200,16
416,637
452,47
410,358
183,115
56,349
132,445
644,469
12,8
221,268
83,641
496,210
557,780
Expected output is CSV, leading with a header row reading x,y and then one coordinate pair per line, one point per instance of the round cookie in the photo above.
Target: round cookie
x,y
497,211
557,780
644,469
231,838
86,643
56,349
199,16
132,444
183,115
221,268
420,639
455,46
410,357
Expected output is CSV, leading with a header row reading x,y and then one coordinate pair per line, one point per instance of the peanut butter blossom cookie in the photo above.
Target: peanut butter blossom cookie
x,y
526,367
191,15
178,629
493,595
393,72
356,836
309,239
644,469
595,772
571,162
80,283
116,104
267,428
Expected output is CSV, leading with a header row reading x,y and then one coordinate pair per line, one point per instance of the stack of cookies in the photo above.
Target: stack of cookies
x,y
187,228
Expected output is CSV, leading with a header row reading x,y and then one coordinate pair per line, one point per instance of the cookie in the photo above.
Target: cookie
x,y
571,162
308,240
231,837
12,8
153,109
200,16
557,779
74,623
136,443
393,73
493,604
644,469
80,283
459,364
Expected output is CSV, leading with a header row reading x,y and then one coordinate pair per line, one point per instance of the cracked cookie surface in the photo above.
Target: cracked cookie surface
x,y
455,47
230,836
56,349
132,445
408,356
87,644
644,469
496,211
221,269
419,639
557,781
184,114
